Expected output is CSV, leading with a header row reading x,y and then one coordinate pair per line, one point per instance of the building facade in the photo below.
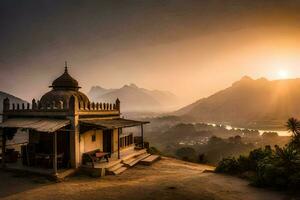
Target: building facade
x,y
64,125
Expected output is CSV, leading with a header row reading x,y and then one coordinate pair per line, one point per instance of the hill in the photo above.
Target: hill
x,y
249,103
166,179
135,99
12,99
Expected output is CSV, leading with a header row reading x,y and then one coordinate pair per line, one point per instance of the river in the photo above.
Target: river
x,y
280,133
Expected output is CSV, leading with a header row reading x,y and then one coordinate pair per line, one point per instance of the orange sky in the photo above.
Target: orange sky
x,y
191,49
193,68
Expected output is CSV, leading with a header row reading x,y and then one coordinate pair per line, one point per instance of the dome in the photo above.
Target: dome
x,y
62,96
63,88
65,81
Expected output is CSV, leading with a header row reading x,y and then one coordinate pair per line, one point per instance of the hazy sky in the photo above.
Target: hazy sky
x,y
191,48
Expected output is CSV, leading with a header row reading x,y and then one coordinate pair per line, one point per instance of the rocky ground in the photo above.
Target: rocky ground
x,y
166,179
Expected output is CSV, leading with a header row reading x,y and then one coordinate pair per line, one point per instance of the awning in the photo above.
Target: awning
x,y
112,123
38,124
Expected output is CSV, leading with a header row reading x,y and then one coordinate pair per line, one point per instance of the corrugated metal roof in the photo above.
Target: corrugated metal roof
x,y
112,123
38,124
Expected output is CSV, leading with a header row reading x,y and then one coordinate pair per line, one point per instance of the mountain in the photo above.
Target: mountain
x,y
97,91
135,99
249,102
12,99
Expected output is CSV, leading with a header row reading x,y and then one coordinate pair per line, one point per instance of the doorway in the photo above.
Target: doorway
x,y
107,140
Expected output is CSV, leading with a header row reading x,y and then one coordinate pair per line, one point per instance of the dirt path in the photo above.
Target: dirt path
x,y
167,179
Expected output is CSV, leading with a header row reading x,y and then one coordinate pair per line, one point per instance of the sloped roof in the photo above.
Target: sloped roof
x,y
112,123
38,124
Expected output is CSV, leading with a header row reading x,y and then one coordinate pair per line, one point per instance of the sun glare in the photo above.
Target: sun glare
x,y
283,74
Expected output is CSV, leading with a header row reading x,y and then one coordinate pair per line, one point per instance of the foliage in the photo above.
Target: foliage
x,y
270,134
278,167
293,125
235,140
153,150
187,154
228,166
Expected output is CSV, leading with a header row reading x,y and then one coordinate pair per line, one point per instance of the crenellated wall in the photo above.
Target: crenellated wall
x,y
58,106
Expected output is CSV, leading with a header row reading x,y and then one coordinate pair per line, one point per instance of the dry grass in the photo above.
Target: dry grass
x,y
166,179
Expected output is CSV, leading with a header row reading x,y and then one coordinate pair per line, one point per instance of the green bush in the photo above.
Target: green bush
x,y
294,181
153,150
278,168
228,166
259,154
269,174
245,164
187,154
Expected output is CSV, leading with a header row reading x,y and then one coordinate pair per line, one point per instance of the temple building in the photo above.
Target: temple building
x,y
66,132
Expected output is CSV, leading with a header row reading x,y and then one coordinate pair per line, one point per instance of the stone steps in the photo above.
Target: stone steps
x,y
128,161
119,171
126,158
135,160
115,168
150,160
118,166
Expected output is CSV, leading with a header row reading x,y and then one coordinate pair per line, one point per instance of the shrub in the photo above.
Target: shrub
x,y
228,166
259,154
245,164
294,181
153,150
270,134
271,175
187,154
277,169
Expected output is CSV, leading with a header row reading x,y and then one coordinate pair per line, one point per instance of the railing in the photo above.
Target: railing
x,y
97,106
126,140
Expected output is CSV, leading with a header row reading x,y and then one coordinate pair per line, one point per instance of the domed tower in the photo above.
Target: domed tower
x,y
63,88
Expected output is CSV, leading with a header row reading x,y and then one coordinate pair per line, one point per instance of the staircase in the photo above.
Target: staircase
x,y
115,168
119,166
150,160
135,158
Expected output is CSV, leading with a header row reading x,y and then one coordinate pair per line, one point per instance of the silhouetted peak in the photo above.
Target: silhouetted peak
x,y
243,80
262,79
131,85
246,78
96,87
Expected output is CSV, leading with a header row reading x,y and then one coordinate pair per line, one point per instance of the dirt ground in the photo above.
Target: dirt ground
x,y
166,179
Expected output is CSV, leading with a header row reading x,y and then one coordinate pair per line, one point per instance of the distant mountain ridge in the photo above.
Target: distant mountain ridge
x,y
135,99
249,102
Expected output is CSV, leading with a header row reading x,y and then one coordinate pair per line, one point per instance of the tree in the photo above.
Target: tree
x,y
270,135
293,125
187,154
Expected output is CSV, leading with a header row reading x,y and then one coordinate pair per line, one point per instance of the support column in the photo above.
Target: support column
x,y
55,153
142,134
3,148
6,105
75,158
119,132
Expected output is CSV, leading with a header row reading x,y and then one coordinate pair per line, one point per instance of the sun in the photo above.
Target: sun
x,y
283,74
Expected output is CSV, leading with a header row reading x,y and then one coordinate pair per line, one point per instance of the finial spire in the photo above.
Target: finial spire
x,y
66,67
